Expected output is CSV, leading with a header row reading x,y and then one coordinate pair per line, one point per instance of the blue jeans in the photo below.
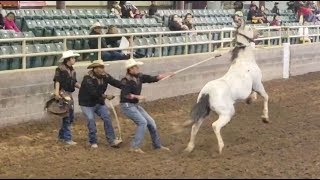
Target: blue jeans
x,y
65,131
143,120
103,112
112,55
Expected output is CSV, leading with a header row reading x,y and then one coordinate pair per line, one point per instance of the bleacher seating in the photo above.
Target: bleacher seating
x,y
54,22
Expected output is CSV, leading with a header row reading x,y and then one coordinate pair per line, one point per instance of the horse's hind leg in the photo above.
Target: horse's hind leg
x,y
217,125
252,97
194,131
260,89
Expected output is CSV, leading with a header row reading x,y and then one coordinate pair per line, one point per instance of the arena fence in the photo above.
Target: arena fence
x,y
269,36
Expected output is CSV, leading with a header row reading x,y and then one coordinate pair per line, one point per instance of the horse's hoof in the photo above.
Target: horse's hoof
x,y
188,150
265,120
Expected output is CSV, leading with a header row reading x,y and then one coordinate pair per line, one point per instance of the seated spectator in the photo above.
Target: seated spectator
x,y
188,21
304,32
276,20
1,19
153,8
96,29
307,13
262,13
116,9
127,9
9,23
137,14
254,15
114,42
175,24
275,9
238,6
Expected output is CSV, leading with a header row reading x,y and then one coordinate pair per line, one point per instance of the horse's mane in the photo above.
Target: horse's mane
x,y
235,52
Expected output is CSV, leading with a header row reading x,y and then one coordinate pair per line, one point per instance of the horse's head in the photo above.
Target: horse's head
x,y
245,34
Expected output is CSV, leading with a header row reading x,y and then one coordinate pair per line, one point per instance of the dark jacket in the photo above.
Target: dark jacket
x,y
133,85
93,42
152,10
1,21
66,76
175,26
92,89
113,41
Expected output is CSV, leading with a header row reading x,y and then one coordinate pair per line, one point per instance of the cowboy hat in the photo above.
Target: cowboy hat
x,y
97,24
131,62
97,63
68,54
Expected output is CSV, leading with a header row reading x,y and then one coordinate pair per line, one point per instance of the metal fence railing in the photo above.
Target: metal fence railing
x,y
215,38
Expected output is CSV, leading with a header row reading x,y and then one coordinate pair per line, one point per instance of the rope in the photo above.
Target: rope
x,y
176,72
117,120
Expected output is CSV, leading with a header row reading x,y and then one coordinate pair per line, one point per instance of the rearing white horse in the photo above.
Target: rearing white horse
x,y
243,78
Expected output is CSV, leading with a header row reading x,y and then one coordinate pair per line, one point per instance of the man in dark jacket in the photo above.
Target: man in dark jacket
x,y
92,101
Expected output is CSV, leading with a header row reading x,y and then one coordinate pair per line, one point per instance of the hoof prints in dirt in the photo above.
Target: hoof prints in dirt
x,y
286,148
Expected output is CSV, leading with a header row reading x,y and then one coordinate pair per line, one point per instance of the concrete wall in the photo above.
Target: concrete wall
x,y
23,94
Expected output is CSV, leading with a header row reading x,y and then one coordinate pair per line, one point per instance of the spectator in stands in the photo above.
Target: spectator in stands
x,y
137,14
116,9
188,21
9,22
238,6
96,29
254,16
275,9
127,9
304,32
175,24
1,18
276,20
262,13
307,13
114,42
153,8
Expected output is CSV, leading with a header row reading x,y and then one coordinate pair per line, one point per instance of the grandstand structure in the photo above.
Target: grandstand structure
x,y
48,32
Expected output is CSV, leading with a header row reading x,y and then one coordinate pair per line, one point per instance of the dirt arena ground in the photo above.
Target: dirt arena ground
x,y
289,147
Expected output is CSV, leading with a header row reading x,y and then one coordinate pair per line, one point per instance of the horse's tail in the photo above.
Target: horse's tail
x,y
200,110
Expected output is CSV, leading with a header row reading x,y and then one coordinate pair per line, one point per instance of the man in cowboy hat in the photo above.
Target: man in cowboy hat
x,y
130,96
65,82
92,101
96,29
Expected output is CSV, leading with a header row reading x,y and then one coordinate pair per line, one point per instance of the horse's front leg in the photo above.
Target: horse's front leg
x,y
260,89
